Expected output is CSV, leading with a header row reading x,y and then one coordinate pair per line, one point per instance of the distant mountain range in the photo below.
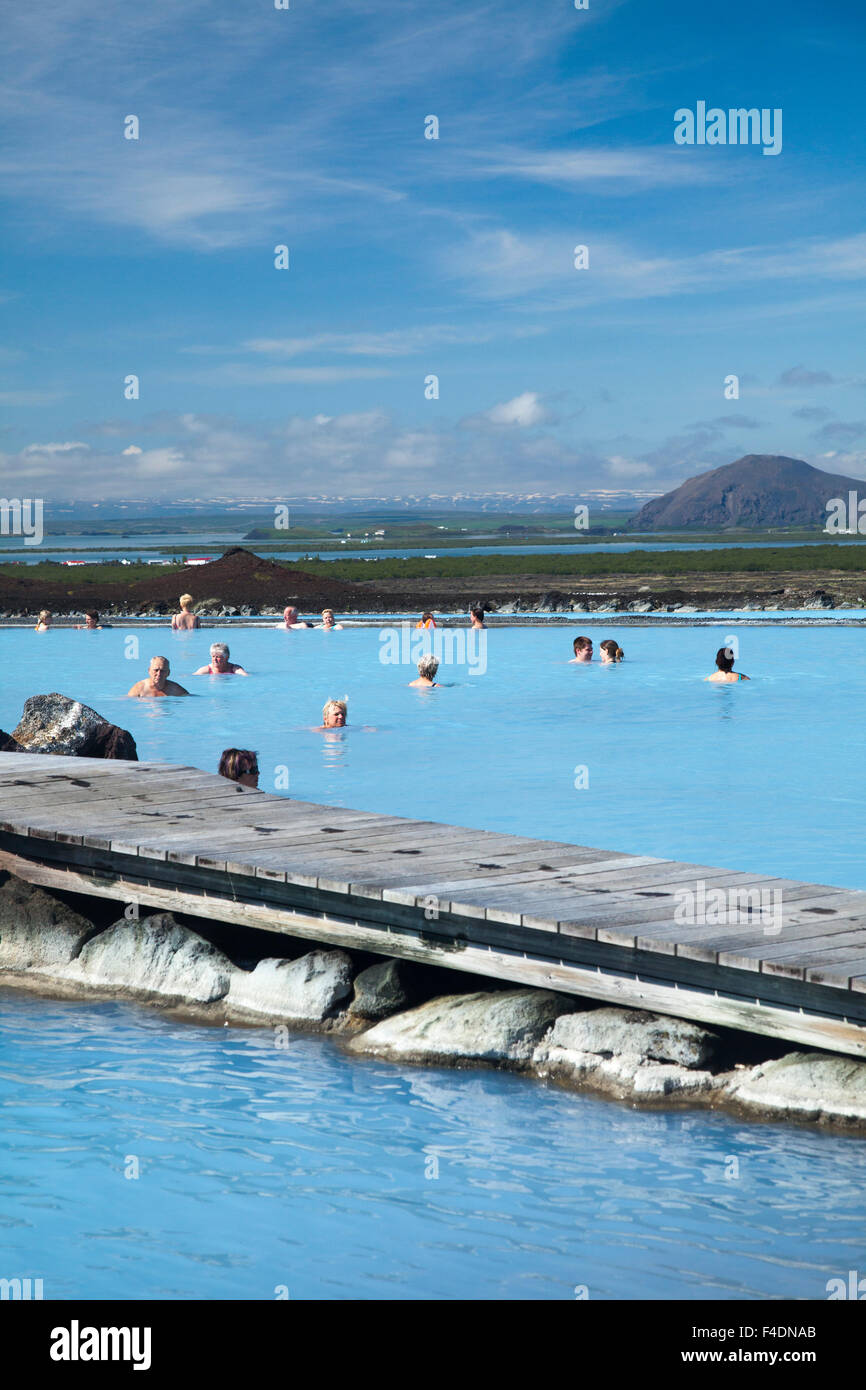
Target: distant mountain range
x,y
758,490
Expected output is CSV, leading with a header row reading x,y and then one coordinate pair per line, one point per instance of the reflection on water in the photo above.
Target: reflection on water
x,y
353,1179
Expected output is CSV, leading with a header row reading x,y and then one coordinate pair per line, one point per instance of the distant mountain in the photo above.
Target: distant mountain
x,y
758,490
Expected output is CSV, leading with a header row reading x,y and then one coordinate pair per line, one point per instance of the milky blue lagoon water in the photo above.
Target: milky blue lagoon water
x,y
308,1169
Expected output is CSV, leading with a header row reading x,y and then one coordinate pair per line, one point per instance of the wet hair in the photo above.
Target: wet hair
x,y
340,704
43,614
582,643
238,762
428,666
725,659
185,600
614,651
477,612
92,613
219,647
425,616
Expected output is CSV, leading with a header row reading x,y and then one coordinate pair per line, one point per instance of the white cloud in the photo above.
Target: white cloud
x,y
524,410
132,449
56,448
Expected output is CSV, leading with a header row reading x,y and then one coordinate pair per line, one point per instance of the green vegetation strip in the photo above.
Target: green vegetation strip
x,y
848,559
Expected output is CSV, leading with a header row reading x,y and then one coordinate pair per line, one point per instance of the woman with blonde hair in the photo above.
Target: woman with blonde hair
x,y
334,715
185,620
327,624
44,622
611,652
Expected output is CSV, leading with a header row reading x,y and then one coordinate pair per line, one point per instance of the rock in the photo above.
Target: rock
x,y
634,1032
657,1079
8,744
495,1027
383,989
56,724
37,930
308,989
809,1086
154,956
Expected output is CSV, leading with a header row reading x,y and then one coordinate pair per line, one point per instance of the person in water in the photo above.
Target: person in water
x,y
44,621
427,620
582,651
334,714
476,615
156,682
290,619
725,674
220,664
240,765
91,622
427,668
185,620
611,652
327,622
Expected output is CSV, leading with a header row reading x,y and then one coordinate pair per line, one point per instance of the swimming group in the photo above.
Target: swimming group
x,y
241,764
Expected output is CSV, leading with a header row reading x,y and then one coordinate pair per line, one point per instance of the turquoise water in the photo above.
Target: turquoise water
x,y
307,1169
11,547
766,775
301,1168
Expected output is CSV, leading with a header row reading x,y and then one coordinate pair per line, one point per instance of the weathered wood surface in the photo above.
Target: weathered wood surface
x,y
606,921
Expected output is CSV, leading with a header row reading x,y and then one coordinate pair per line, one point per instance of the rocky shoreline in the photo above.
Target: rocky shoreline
x,y
62,946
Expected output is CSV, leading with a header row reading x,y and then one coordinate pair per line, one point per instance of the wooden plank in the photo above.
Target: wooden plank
x,y
714,1010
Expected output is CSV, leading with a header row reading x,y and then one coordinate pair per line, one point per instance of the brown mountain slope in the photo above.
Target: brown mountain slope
x,y
757,490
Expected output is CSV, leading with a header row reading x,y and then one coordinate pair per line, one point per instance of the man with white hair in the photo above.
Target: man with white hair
x,y
220,664
290,619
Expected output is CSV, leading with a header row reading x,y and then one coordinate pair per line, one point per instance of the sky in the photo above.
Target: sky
x,y
411,257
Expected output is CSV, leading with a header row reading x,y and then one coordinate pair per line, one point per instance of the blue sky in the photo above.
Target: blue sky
x,y
411,257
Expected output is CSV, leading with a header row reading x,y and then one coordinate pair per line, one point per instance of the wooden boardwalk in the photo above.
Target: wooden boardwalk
x,y
606,925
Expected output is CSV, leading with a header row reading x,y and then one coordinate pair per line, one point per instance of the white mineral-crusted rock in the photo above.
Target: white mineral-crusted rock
x,y
631,1032
659,1079
811,1086
307,990
486,1027
37,930
154,956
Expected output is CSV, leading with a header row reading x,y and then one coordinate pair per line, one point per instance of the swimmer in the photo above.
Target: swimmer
x,y
582,651
427,620
290,619
333,715
611,652
476,614
726,673
156,681
240,765
45,621
327,623
185,620
220,664
91,622
427,668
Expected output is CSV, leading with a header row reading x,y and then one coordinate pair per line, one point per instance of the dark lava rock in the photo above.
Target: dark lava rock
x,y
55,724
384,989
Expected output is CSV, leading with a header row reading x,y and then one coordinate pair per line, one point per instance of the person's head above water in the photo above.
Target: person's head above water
x,y
328,617
219,656
476,613
611,651
725,659
583,648
334,713
186,601
158,670
428,666
290,613
240,765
